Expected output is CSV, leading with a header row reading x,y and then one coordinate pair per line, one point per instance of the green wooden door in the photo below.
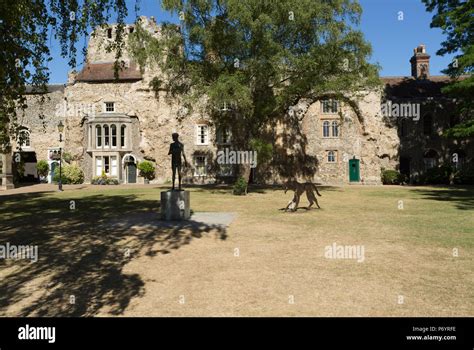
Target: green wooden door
x,y
354,173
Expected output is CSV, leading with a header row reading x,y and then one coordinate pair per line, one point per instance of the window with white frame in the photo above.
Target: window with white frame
x,y
200,163
223,135
202,134
106,136
113,131
332,156
98,136
123,129
109,107
106,164
330,106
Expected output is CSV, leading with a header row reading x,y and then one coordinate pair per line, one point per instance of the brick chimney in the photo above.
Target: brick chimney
x,y
420,63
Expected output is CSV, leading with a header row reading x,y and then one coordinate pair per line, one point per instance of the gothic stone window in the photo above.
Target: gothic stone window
x,y
330,128
430,159
331,156
330,106
335,128
326,128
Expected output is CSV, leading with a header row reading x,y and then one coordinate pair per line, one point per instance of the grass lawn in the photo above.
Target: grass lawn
x,y
114,259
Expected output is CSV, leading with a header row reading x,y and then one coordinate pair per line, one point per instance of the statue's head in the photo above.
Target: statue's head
x,y
175,136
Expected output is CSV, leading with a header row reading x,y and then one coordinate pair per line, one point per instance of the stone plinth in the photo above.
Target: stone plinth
x,y
6,176
175,205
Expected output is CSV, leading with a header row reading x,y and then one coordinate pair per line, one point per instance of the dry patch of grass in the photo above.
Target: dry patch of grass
x,y
268,262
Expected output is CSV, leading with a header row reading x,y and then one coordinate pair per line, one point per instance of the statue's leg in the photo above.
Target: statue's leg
x,y
174,175
296,200
179,176
310,196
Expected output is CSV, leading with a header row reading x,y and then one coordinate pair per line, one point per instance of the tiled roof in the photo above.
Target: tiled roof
x,y
99,72
409,87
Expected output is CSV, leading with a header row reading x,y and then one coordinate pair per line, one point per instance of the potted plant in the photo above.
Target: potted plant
x,y
147,170
42,167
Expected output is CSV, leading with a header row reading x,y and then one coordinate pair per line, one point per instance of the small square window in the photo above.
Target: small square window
x,y
109,106
332,156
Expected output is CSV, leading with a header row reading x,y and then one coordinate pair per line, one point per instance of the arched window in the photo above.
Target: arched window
x,y
326,128
106,136
113,131
98,136
335,129
427,124
24,138
123,128
430,158
331,156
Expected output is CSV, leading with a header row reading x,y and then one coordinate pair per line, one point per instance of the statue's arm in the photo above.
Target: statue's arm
x,y
169,152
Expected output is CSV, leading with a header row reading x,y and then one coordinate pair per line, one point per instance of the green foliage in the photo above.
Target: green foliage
x,y
264,150
465,176
456,19
26,26
67,157
43,168
440,175
147,170
104,180
257,57
391,177
71,174
240,187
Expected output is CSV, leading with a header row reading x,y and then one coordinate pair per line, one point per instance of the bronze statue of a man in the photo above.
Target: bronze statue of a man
x,y
176,151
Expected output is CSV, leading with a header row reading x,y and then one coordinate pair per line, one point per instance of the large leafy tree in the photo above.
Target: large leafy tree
x,y
250,61
26,31
456,19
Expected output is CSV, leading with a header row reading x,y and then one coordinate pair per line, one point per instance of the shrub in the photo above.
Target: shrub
x,y
43,168
67,157
71,174
104,180
240,187
465,176
439,175
147,170
391,177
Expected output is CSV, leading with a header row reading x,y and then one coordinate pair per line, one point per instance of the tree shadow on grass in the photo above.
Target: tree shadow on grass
x,y
461,197
82,252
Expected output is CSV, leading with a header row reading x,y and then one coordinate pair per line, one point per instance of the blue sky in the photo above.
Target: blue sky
x,y
392,40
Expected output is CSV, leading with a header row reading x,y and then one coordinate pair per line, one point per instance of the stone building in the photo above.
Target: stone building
x,y
112,124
